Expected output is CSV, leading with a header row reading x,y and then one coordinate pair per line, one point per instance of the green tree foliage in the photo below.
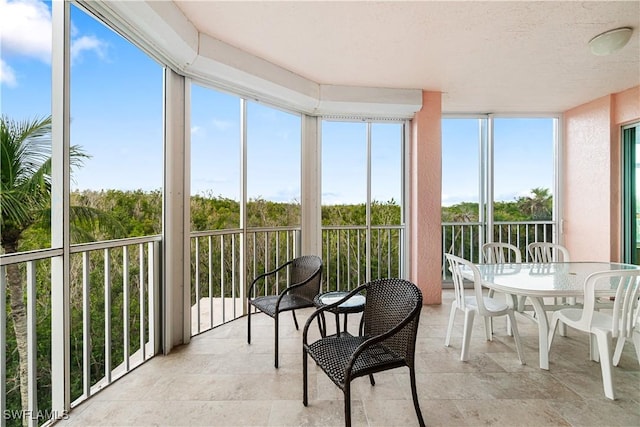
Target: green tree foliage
x,y
136,213
522,218
263,213
462,212
538,206
344,214
214,213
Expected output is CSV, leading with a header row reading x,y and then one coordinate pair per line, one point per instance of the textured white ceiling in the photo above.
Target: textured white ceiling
x,y
485,56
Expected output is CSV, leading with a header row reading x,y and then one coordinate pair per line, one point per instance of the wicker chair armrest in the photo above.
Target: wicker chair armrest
x,y
263,275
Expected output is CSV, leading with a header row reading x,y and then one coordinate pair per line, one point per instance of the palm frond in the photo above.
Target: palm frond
x,y
26,145
14,208
25,170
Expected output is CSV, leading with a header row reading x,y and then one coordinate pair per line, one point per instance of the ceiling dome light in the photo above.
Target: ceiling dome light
x,y
610,41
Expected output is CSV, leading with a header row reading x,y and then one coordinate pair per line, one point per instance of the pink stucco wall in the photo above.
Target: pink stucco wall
x,y
425,194
627,106
591,175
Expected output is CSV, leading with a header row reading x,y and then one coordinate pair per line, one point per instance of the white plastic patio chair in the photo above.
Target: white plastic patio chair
x,y
503,253
624,286
484,306
548,252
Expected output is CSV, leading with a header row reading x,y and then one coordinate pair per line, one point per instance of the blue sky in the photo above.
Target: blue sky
x,y
523,158
116,93
116,110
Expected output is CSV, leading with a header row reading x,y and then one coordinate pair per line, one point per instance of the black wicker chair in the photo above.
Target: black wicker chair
x,y
304,275
391,317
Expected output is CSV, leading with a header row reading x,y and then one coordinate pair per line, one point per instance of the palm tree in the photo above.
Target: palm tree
x,y
539,205
25,201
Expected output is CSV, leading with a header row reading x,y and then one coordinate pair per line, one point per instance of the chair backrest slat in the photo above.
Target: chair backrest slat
x,y
545,252
501,253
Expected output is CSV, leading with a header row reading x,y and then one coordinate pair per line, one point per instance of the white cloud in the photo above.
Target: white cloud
x,y
88,43
25,28
7,76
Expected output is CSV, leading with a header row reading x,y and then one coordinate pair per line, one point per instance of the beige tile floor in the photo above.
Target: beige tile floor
x,y
220,380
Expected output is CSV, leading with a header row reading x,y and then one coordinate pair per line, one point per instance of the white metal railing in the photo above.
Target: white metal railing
x,y
466,238
139,281
217,296
131,285
219,272
348,263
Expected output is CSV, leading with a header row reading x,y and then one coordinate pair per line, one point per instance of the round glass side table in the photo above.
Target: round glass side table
x,y
355,304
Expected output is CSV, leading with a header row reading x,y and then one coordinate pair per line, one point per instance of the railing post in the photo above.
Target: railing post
x,y
86,327
337,262
210,277
32,346
3,341
141,290
222,276
107,316
125,305
154,296
196,283
234,276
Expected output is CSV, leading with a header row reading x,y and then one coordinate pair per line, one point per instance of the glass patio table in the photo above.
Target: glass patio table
x,y
538,281
355,304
